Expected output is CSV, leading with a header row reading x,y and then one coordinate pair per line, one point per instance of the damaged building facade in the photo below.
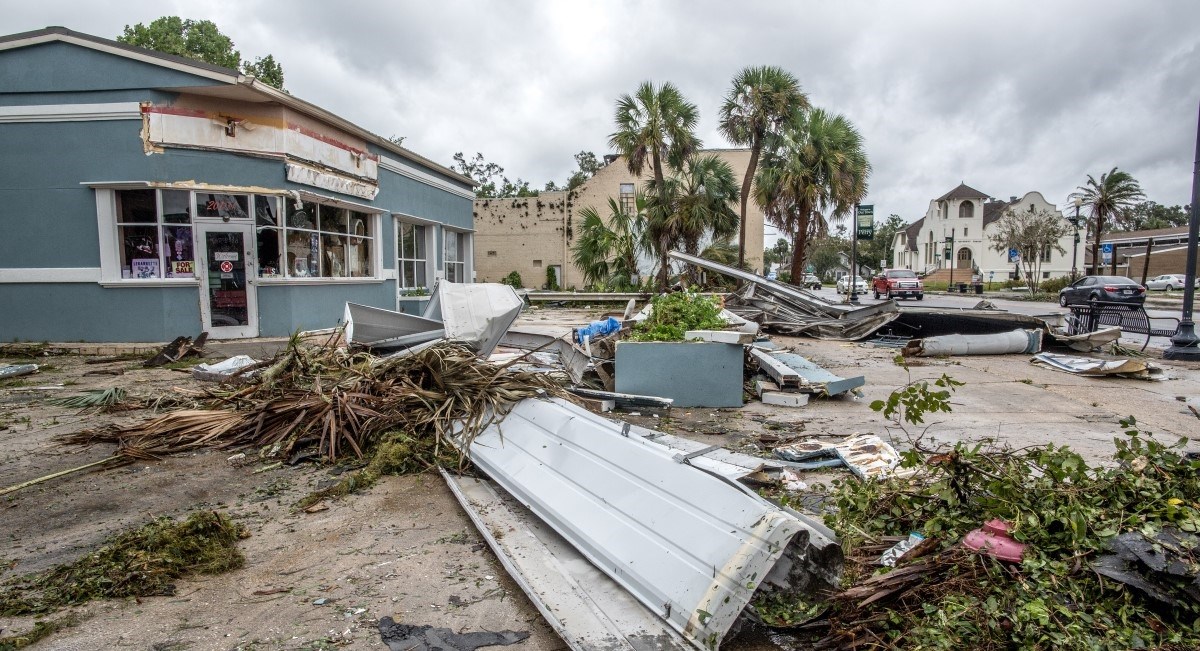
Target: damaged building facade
x,y
533,236
961,219
148,195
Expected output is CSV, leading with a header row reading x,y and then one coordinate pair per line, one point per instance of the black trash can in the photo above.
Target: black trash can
x,y
979,288
962,288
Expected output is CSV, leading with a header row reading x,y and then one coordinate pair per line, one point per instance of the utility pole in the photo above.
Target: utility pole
x,y
950,258
1075,250
854,260
1185,345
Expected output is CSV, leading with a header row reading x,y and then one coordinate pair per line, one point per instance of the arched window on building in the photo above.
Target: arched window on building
x,y
966,210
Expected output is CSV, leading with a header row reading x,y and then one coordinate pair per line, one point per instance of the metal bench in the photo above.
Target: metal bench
x,y
1091,316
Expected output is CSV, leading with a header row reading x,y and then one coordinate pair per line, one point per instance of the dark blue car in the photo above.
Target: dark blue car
x,y
1102,289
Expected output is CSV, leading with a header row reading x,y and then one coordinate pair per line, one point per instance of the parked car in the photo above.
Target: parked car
x,y
1102,289
1169,282
811,282
843,285
898,283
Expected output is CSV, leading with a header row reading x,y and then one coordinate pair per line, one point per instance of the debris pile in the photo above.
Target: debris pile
x,y
332,399
1100,557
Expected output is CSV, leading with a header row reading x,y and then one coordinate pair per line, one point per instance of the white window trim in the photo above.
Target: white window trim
x,y
468,261
430,252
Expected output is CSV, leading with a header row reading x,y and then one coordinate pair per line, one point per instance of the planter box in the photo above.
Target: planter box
x,y
693,374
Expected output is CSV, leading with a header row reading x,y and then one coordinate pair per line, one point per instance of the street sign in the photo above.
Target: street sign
x,y
866,222
1106,251
226,266
1014,255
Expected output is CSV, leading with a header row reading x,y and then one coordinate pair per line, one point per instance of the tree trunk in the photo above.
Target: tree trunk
x,y
1096,245
799,249
755,150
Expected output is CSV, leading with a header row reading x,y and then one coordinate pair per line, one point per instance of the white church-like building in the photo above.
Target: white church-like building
x,y
964,216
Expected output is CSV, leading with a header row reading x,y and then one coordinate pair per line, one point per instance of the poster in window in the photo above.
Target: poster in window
x,y
145,267
182,269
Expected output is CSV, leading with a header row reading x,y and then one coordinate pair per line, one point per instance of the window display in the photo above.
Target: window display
x,y
155,234
320,241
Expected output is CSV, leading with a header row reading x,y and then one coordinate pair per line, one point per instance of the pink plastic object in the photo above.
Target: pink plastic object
x,y
993,539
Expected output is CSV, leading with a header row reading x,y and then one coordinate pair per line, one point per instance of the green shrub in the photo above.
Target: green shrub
x,y
551,280
672,315
513,279
1054,284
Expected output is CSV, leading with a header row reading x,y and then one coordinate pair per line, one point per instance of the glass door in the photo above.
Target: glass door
x,y
228,305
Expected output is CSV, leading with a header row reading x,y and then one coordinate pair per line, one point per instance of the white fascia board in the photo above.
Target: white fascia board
x,y
406,170
338,203
70,112
690,546
50,275
413,219
124,53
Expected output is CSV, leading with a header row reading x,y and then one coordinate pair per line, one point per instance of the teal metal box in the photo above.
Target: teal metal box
x,y
693,374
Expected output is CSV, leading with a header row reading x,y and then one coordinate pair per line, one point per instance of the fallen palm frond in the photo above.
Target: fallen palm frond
x,y
338,401
99,399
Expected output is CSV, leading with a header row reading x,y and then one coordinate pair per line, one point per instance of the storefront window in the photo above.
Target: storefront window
x,y
325,241
155,234
412,259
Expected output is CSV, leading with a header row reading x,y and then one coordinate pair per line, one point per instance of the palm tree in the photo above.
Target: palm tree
x,y
816,163
656,125
759,102
607,250
692,204
1115,193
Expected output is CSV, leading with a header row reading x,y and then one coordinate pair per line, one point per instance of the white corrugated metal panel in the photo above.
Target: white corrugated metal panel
x,y
586,608
689,545
477,314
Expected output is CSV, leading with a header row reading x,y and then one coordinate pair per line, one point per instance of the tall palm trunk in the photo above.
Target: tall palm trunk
x,y
664,240
800,244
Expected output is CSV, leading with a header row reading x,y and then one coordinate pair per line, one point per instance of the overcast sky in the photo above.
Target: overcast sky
x,y
1008,96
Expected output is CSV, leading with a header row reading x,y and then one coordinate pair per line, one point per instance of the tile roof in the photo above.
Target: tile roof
x,y
963,191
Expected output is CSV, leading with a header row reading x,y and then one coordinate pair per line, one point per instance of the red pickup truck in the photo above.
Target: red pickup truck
x,y
898,283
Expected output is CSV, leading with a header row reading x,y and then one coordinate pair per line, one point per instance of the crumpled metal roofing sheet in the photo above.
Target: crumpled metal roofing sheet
x,y
689,545
588,610
476,314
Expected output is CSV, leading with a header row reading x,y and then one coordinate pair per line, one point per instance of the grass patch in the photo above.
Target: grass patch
x,y
396,453
40,631
140,563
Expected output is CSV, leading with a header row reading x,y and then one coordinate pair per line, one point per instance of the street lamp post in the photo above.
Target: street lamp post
x,y
854,261
1075,251
950,258
1185,345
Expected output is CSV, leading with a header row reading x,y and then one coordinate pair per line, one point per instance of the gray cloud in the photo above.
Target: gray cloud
x,y
1006,96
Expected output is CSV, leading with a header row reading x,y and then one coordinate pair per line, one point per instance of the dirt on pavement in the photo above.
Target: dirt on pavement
x,y
404,548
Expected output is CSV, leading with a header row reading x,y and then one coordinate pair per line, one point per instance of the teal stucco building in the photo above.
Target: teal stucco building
x,y
145,196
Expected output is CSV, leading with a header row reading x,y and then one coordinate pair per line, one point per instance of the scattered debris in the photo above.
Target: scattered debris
x,y
180,348
99,400
16,370
475,315
1091,367
404,637
234,369
380,329
897,551
1006,343
339,403
624,400
866,455
1157,564
793,372
994,539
